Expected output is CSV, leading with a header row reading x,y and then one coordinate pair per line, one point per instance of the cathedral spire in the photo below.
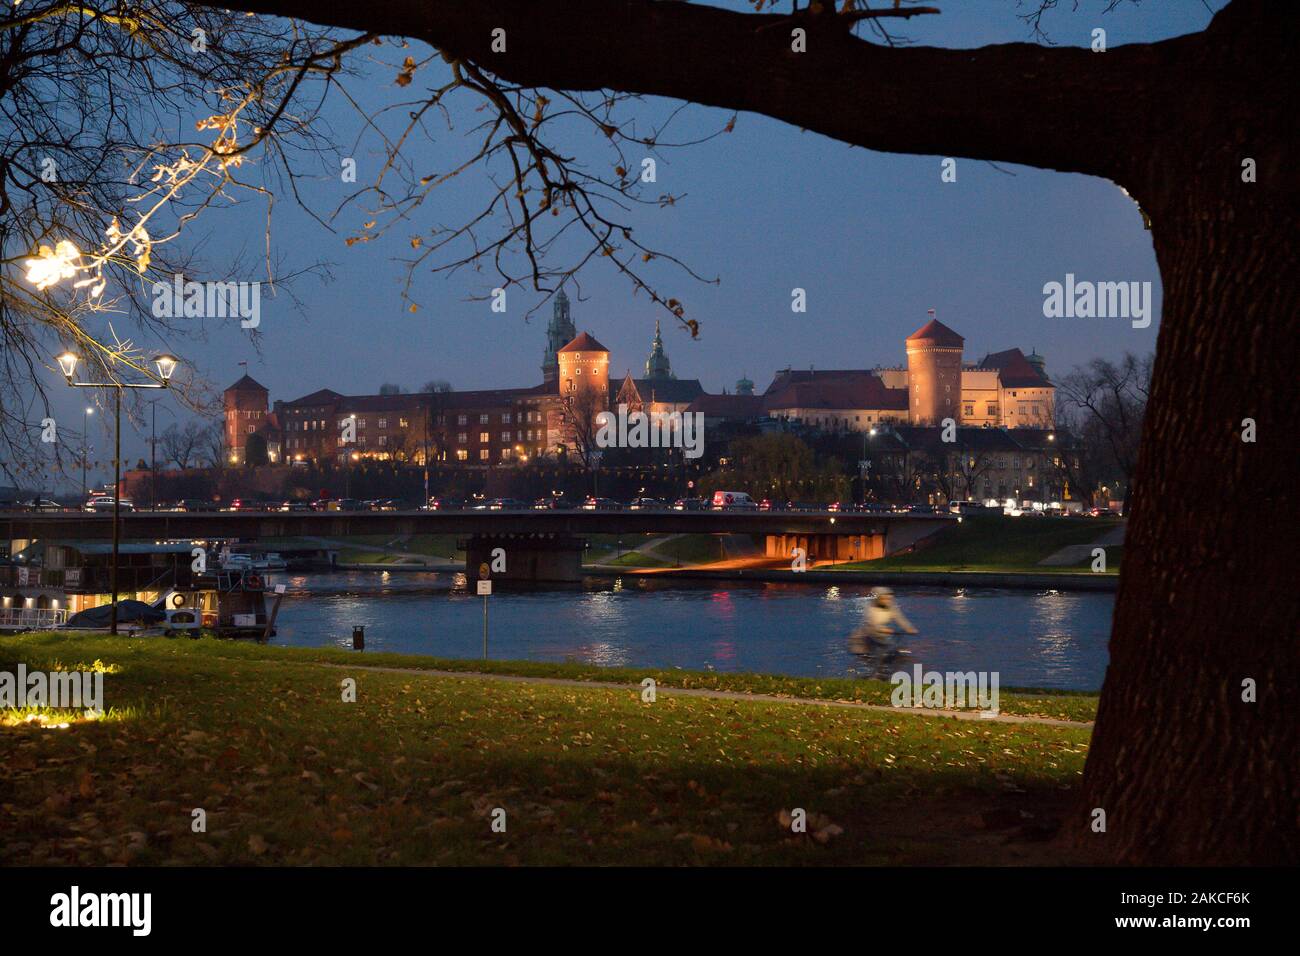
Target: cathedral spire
x,y
657,365
559,332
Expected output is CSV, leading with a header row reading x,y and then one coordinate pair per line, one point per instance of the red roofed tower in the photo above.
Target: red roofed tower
x,y
933,373
584,366
245,412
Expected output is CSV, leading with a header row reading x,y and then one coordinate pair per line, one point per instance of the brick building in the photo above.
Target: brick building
x,y
478,429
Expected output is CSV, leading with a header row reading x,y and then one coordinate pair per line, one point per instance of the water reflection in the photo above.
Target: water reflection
x,y
1052,639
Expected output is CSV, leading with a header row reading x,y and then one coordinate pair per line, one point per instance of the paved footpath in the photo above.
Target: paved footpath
x,y
1076,553
664,691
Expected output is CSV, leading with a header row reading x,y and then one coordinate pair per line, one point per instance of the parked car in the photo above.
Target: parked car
x,y
690,504
601,504
441,503
647,504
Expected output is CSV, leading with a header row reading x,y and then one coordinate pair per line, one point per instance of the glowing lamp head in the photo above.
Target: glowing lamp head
x,y
166,365
68,363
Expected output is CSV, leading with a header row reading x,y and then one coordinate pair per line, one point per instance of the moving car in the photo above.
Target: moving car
x,y
104,505
690,504
647,504
441,503
733,501
601,504
553,504
345,504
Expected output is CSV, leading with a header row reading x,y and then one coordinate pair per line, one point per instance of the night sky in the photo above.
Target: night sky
x,y
875,239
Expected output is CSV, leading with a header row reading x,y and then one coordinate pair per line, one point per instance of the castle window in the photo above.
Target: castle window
x,y
483,419
462,420
484,438
462,454
505,436
483,454
383,423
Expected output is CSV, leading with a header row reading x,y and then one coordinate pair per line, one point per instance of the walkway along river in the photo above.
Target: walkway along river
x,y
1031,638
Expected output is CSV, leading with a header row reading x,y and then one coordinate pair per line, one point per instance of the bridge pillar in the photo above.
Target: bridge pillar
x,y
526,557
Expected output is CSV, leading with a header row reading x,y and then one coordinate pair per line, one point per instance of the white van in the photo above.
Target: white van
x,y
733,501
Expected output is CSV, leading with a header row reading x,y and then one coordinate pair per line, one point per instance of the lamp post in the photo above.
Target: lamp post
x,y
85,433
166,365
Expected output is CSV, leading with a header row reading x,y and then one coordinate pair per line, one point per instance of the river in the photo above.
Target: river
x,y
1051,639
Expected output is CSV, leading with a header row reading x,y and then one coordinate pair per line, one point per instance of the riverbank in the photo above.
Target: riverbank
x,y
1020,580
413,771
1035,581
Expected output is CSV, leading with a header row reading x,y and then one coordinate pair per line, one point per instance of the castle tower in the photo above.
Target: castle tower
x,y
933,374
584,368
744,385
244,405
559,331
657,365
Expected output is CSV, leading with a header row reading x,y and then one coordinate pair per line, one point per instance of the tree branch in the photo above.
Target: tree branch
x,y
1018,103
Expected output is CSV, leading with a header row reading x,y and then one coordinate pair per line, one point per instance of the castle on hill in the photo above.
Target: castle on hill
x,y
492,427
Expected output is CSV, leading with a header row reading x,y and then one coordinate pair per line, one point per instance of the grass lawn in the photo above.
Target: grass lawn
x,y
376,548
260,739
375,557
688,549
1001,544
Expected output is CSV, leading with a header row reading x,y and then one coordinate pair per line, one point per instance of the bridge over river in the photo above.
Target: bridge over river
x,y
546,545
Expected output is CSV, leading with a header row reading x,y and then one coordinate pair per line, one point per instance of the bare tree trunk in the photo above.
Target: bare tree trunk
x,y
1186,770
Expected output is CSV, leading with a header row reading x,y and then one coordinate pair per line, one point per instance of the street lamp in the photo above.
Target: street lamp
x,y
85,433
166,366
